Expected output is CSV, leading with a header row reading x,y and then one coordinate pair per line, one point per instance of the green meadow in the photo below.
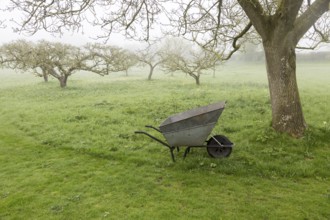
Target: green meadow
x,y
72,153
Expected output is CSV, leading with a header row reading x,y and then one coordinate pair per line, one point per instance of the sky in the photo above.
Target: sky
x,y
8,34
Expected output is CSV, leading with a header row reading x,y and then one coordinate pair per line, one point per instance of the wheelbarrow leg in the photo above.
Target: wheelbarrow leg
x,y
186,152
172,154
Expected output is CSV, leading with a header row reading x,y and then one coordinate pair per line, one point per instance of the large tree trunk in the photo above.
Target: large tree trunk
x,y
280,34
287,114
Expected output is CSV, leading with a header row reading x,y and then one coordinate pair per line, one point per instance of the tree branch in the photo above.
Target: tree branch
x,y
257,16
135,15
288,11
305,21
235,46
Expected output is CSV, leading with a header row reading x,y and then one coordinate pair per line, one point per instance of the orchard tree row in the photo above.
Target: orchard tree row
x,y
61,60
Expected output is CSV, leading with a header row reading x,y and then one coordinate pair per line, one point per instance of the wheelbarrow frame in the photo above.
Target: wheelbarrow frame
x,y
172,148
191,129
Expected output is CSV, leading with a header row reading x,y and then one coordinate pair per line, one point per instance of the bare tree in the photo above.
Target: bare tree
x,y
217,25
49,58
115,59
63,60
187,58
150,56
128,60
20,55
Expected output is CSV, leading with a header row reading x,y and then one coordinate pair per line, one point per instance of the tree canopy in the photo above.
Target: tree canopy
x,y
224,24
180,55
62,60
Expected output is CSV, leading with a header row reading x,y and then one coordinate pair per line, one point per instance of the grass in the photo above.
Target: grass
x,y
72,153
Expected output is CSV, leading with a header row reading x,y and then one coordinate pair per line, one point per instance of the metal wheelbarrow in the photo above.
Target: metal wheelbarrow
x,y
191,129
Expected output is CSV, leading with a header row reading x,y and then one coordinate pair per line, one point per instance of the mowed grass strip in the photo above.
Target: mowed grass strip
x,y
73,154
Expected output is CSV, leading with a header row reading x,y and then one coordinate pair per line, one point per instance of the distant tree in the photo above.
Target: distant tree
x,y
56,59
129,59
20,55
115,59
187,58
150,56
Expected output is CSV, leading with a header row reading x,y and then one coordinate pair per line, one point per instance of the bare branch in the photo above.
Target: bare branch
x,y
305,21
214,24
256,14
235,46
288,11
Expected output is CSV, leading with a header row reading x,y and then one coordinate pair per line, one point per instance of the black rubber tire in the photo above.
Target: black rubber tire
x,y
219,152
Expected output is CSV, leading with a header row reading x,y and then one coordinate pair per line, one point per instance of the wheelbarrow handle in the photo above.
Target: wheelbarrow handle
x,y
160,141
154,138
150,126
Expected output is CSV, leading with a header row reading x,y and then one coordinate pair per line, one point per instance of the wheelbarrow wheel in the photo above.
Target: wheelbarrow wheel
x,y
219,152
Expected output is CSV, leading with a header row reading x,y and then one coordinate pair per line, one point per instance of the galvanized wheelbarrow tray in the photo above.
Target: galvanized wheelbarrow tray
x,y
191,129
